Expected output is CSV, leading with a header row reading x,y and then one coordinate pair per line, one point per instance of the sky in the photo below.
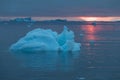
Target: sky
x,y
60,8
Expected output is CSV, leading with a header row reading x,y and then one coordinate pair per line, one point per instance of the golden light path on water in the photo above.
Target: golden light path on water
x,y
90,34
90,31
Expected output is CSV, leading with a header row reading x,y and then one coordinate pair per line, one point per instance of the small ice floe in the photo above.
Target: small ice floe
x,y
94,23
81,78
91,67
6,23
91,42
81,35
30,24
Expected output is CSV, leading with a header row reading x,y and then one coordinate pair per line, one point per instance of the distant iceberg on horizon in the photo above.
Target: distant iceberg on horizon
x,y
46,40
26,19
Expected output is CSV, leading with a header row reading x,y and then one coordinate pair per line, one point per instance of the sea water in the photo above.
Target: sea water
x,y
98,58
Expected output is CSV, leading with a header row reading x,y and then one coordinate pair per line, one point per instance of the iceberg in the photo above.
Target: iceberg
x,y
46,40
66,41
27,19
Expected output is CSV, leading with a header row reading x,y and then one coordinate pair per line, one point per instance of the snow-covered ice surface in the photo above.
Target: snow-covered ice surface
x,y
46,40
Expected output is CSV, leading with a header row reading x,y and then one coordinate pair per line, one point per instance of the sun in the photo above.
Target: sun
x,y
89,18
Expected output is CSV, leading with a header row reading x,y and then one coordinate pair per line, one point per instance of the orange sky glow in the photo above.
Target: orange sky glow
x,y
79,18
99,18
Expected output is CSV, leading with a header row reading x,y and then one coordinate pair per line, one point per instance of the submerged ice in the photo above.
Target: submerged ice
x,y
46,40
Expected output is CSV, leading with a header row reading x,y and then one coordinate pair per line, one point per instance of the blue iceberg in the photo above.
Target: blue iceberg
x,y
46,40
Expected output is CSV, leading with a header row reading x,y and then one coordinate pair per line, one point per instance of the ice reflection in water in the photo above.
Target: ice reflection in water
x,y
48,61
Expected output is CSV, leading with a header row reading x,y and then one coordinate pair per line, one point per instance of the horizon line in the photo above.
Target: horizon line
x,y
77,18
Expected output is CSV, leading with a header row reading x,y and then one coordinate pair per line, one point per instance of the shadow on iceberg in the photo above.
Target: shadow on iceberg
x,y
46,40
48,61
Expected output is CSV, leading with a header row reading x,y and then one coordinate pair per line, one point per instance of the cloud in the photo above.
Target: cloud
x,y
59,8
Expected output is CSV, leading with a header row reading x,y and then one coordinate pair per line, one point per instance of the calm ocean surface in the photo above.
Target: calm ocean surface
x,y
98,59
